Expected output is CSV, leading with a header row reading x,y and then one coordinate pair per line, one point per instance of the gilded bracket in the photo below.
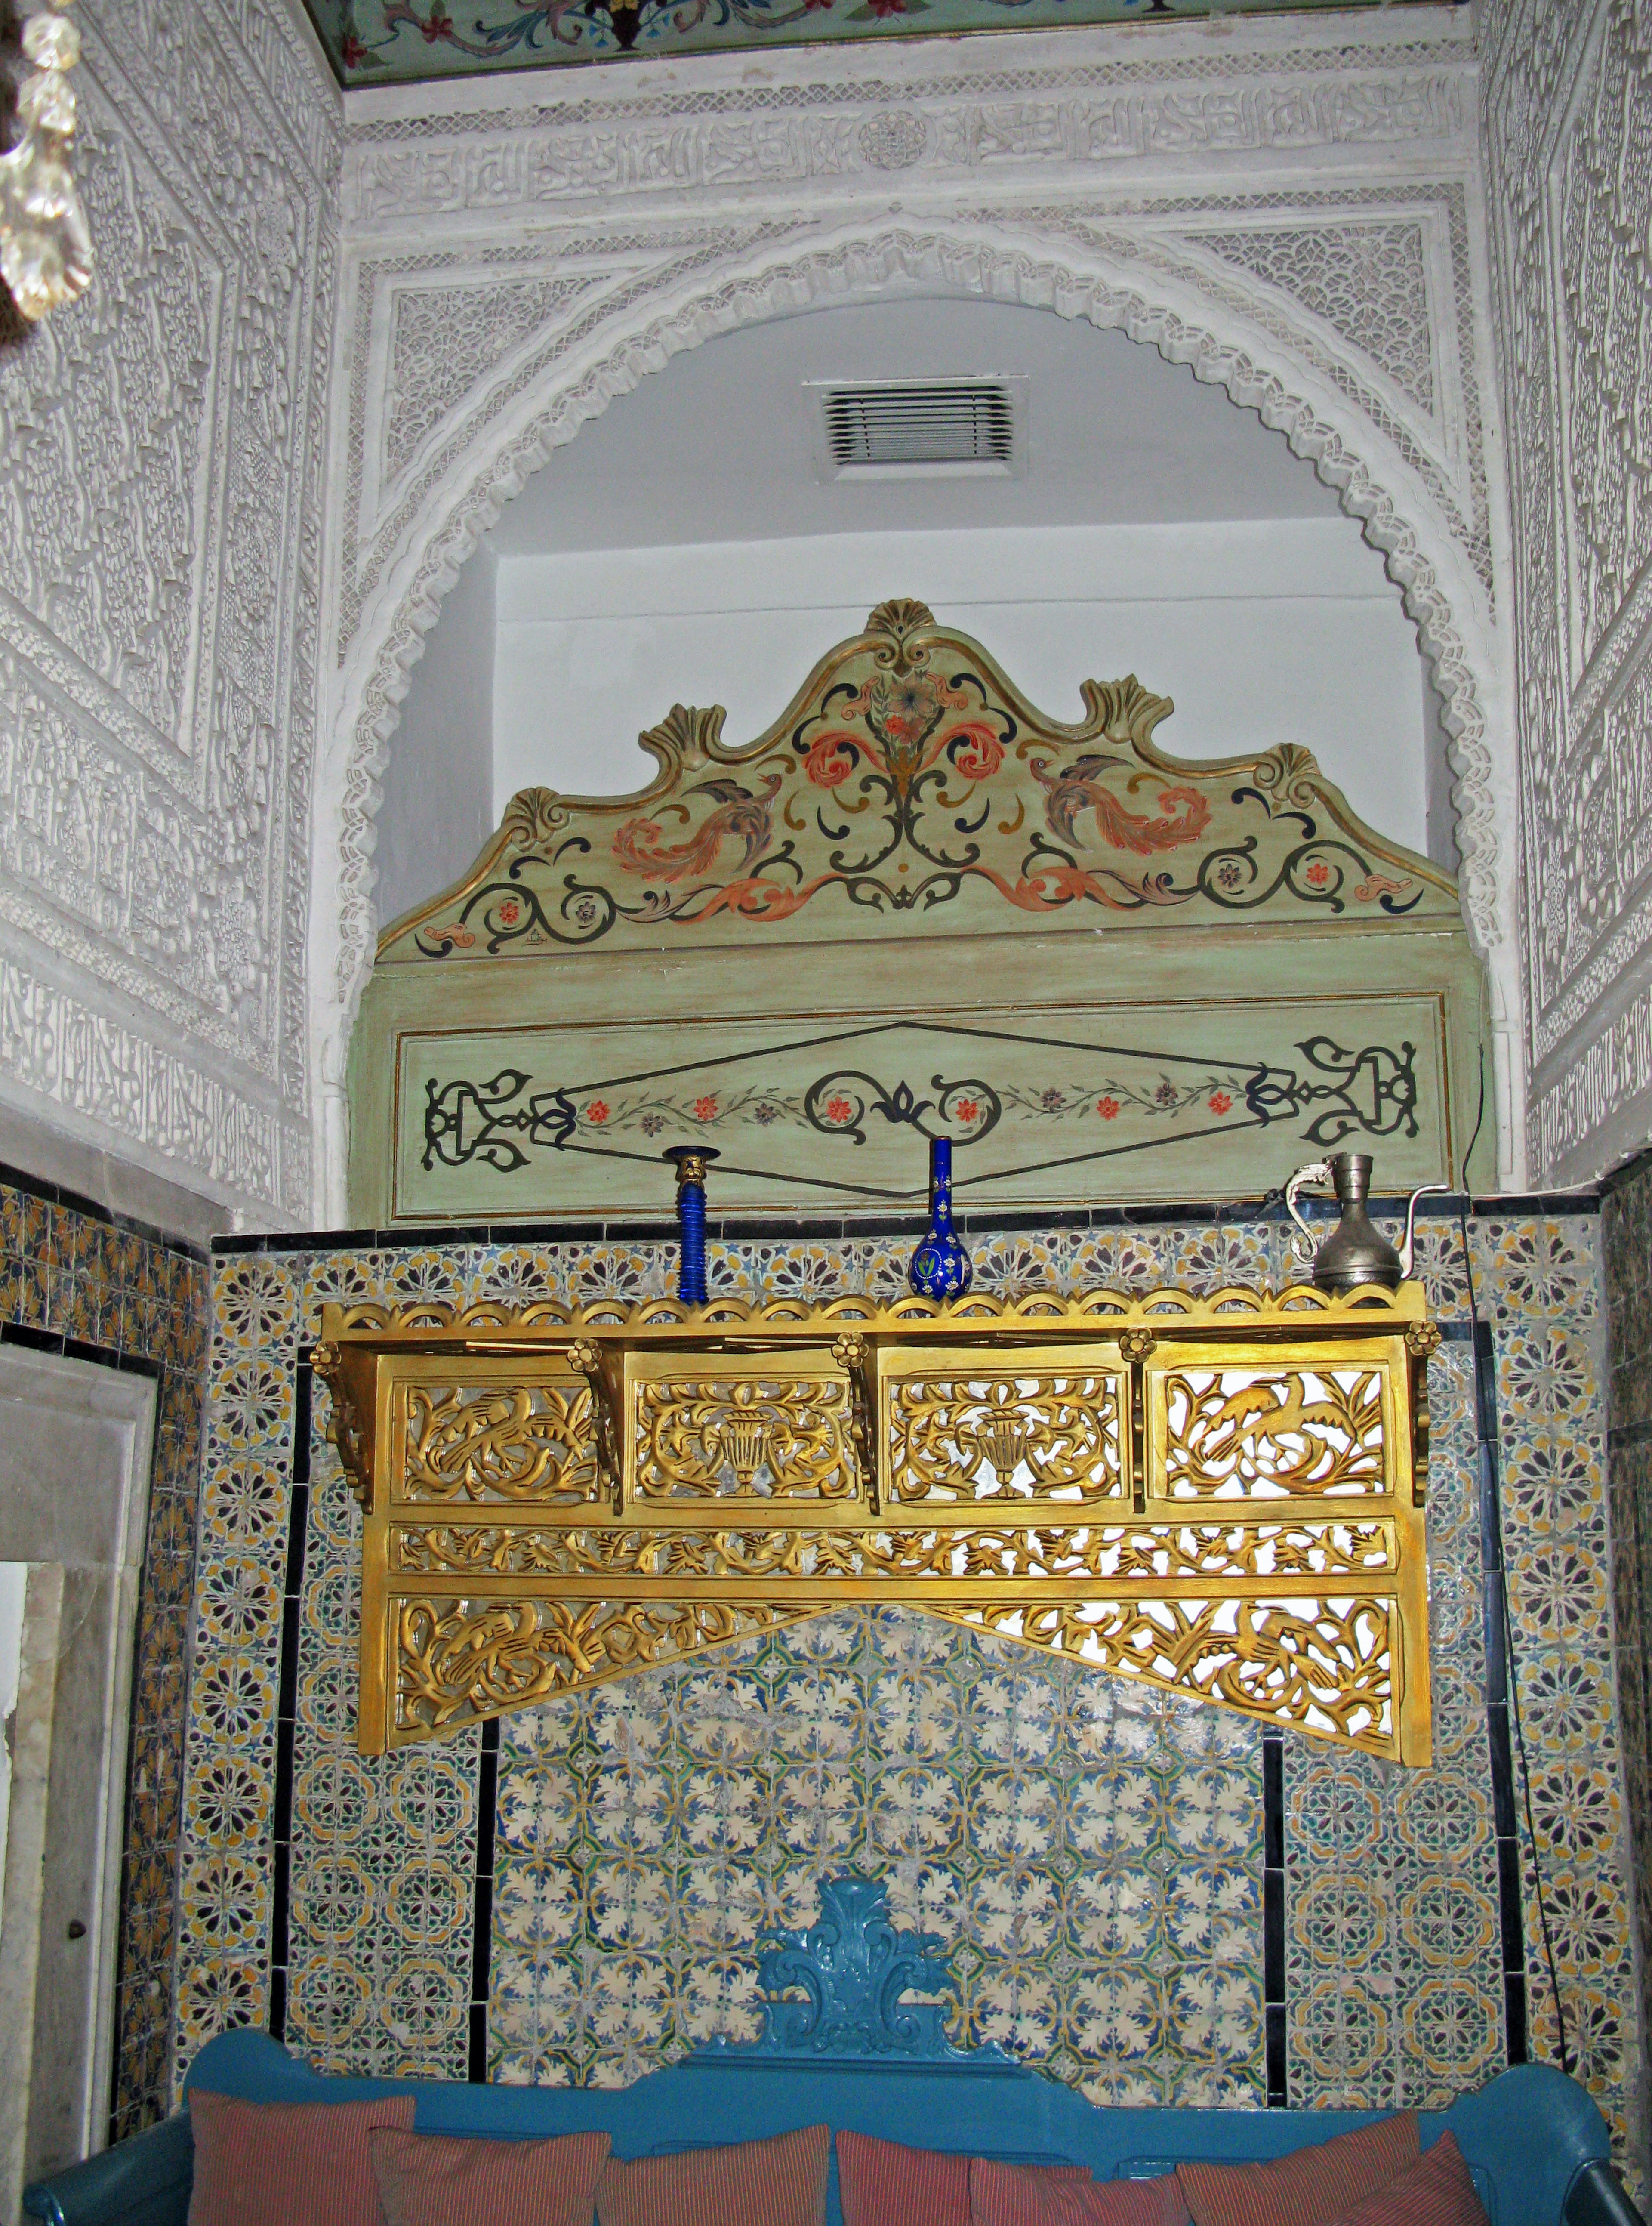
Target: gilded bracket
x,y
1223,1496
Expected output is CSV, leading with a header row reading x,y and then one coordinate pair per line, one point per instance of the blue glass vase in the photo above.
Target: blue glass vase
x,y
940,1267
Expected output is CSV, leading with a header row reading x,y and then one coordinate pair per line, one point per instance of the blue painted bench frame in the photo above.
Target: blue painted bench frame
x,y
1535,2139
849,2041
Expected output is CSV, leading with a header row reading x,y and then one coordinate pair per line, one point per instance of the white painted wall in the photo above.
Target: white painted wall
x,y
1278,630
438,812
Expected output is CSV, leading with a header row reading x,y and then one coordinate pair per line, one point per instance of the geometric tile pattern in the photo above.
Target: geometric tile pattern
x,y
1090,1849
383,1847
116,1295
1626,1243
1091,1852
1394,1948
1540,1283
226,1858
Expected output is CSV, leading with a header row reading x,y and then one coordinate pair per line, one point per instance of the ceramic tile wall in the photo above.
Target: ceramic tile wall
x,y
1091,1852
644,1833
1626,1235
1538,1285
1395,1937
73,1281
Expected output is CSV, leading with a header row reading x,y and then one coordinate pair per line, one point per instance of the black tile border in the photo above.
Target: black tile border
x,y
1276,2035
61,1345
800,1228
287,1701
481,1939
75,1201
1499,1740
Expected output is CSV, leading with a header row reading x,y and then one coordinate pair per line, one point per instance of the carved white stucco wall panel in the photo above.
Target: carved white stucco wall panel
x,y
1292,213
1568,92
163,444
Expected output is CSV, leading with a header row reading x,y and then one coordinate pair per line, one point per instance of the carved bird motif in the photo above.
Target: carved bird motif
x,y
1078,787
742,816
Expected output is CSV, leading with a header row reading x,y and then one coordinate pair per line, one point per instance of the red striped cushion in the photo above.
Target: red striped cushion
x,y
778,2182
286,2164
1011,2195
435,2179
1436,2191
885,2184
1306,2188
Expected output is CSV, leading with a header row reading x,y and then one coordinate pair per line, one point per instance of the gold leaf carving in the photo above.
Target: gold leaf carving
x,y
1261,1433
711,1438
530,1442
1325,1664
1000,1437
1231,1511
457,1659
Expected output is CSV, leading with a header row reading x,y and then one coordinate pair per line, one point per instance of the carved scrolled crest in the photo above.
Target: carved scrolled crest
x,y
900,622
910,780
686,738
533,815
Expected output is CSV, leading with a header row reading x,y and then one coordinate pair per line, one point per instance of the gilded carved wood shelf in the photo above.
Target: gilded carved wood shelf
x,y
1224,1496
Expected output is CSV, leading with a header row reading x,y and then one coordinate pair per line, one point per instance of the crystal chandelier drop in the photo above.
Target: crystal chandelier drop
x,y
45,247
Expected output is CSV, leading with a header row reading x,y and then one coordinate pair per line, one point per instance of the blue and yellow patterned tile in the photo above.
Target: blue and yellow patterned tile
x,y
1014,1265
1211,1259
250,1404
255,1305
1122,1260
1545,1270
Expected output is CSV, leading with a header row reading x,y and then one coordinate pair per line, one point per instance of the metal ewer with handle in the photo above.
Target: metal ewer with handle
x,y
1356,1251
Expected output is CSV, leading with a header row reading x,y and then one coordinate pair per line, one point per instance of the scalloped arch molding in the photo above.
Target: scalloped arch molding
x,y
502,340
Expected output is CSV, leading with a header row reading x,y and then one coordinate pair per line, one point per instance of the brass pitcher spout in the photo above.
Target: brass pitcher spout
x,y
1356,1252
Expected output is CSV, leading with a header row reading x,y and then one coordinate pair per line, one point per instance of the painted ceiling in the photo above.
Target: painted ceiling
x,y
401,42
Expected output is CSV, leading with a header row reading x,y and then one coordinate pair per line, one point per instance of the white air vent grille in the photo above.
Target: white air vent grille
x,y
898,428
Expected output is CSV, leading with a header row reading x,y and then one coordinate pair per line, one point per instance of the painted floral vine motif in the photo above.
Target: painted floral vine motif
x,y
909,774
501,1122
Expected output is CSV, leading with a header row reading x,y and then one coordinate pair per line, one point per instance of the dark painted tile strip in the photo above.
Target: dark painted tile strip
x,y
287,1703
127,1842
62,1347
481,1952
750,1229
56,1194
1499,1738
1275,2039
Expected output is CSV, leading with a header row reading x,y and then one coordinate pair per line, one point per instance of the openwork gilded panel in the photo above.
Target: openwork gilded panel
x,y
1222,1496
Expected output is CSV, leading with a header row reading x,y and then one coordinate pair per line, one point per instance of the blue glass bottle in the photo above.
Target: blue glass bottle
x,y
940,1267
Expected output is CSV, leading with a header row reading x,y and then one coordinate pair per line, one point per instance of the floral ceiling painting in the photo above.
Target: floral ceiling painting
x,y
380,42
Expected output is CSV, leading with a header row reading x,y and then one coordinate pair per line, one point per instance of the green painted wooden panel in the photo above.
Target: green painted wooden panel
x,y
916,906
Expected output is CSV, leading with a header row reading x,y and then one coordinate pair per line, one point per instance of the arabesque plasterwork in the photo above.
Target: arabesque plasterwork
x,y
1570,192
158,641
1217,206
